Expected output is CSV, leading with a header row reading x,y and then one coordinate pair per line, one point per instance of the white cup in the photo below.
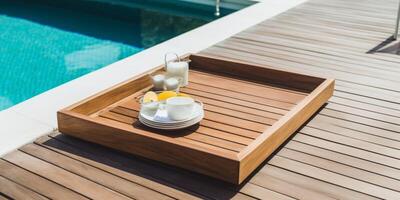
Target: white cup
x,y
179,108
149,108
158,81
171,84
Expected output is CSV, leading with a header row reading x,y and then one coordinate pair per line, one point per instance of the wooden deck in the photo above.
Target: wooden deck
x,y
349,150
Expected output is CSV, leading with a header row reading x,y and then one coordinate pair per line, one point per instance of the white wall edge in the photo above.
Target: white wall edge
x,y
35,117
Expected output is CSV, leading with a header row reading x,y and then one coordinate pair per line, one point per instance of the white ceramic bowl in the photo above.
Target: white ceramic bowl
x,y
179,108
149,108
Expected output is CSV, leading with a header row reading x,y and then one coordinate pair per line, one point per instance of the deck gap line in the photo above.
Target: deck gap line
x,y
272,29
337,79
324,60
346,154
46,147
349,113
23,186
330,57
349,145
346,12
282,156
352,93
337,20
321,129
363,99
273,190
76,192
280,45
315,66
329,48
147,174
366,88
5,196
117,192
321,193
248,195
327,65
314,178
379,112
397,168
349,155
307,46
356,107
340,40
359,123
337,161
338,27
303,52
331,183
344,127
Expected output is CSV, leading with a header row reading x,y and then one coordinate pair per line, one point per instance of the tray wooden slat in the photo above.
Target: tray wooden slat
x,y
248,114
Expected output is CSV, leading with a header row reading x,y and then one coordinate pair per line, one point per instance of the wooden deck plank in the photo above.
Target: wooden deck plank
x,y
119,169
334,178
115,183
36,183
15,191
390,152
338,168
4,197
63,177
263,193
355,134
300,186
241,196
349,160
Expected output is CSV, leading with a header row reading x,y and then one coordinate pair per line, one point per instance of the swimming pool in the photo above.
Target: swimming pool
x,y
45,44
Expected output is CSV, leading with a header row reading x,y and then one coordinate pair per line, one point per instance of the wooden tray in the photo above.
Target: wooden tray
x,y
249,111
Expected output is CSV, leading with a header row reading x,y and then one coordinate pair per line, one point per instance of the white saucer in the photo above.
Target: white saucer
x,y
168,124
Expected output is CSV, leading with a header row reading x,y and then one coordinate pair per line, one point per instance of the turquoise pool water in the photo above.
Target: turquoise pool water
x,y
43,45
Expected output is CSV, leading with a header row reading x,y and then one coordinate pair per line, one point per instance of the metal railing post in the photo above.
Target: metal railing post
x,y
396,31
217,5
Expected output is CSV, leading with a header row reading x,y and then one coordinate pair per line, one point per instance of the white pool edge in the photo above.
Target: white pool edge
x,y
36,117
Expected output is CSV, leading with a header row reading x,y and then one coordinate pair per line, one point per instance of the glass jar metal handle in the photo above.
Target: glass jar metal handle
x,y
166,56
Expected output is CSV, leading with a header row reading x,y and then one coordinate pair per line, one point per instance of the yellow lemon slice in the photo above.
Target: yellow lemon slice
x,y
166,94
183,95
150,97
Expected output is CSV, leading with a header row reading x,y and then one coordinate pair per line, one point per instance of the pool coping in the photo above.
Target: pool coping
x,y
36,116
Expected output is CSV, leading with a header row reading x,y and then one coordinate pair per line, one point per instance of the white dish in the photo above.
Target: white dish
x,y
173,127
168,124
